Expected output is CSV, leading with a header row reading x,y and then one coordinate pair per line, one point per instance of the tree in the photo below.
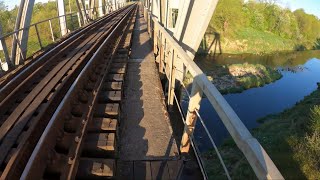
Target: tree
x,y
227,17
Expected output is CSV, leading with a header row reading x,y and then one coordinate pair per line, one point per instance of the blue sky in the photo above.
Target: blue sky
x,y
11,3
310,6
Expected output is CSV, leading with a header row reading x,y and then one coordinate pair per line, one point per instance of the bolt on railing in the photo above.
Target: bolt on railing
x,y
172,59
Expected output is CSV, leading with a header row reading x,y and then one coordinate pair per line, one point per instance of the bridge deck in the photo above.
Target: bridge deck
x,y
148,149
146,133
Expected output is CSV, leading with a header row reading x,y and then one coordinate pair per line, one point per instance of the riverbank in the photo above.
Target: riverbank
x,y
291,138
249,40
235,78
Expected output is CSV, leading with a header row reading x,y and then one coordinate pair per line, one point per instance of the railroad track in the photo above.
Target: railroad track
x,y
34,105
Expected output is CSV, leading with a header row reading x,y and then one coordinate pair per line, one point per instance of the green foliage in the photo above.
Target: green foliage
x,y
316,44
313,138
7,18
227,17
234,16
41,11
307,24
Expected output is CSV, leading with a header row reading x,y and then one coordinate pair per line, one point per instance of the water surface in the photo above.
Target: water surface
x,y
300,70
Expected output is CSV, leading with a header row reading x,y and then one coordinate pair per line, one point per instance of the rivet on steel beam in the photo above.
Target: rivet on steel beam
x,y
77,139
70,160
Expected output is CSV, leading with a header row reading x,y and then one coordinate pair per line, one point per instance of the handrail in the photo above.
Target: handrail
x,y
257,157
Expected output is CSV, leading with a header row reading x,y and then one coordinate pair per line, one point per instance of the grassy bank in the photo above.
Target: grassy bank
x,y
248,40
291,138
260,27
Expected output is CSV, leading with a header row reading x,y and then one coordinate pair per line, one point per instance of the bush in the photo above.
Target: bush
x,y
313,139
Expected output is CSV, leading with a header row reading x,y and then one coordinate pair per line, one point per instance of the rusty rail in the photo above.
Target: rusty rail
x,y
35,100
77,110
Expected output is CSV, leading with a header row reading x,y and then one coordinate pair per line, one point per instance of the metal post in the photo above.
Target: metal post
x,y
114,5
52,35
194,104
62,19
23,20
101,9
22,52
81,17
91,9
4,48
193,20
172,81
37,32
161,55
71,22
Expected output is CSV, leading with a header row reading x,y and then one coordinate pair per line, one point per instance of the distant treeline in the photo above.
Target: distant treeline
x,y
230,16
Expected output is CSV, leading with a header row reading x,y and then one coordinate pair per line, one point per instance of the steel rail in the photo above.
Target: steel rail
x,y
6,125
40,153
44,97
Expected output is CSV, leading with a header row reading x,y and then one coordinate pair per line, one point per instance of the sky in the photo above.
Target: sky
x,y
11,3
310,6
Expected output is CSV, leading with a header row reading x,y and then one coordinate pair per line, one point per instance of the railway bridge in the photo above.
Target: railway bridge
x,y
102,100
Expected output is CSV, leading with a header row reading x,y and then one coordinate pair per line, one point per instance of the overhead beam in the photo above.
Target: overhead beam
x,y
193,19
20,39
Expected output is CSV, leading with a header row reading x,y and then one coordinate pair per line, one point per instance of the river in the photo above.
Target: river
x,y
300,70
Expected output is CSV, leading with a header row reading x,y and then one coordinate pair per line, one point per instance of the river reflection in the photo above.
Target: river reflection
x,y
300,70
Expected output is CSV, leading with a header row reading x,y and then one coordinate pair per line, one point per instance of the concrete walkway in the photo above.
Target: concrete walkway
x,y
145,132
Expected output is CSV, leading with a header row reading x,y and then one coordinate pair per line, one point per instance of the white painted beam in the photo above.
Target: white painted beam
x,y
114,5
101,8
20,40
62,19
193,19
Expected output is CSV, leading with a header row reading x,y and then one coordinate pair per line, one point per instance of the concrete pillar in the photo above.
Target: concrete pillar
x,y
20,40
62,20
193,19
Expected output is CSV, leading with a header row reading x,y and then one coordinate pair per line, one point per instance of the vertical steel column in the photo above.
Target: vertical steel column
x,y
4,48
193,19
62,19
23,20
38,36
51,30
114,5
194,104
101,8
81,14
